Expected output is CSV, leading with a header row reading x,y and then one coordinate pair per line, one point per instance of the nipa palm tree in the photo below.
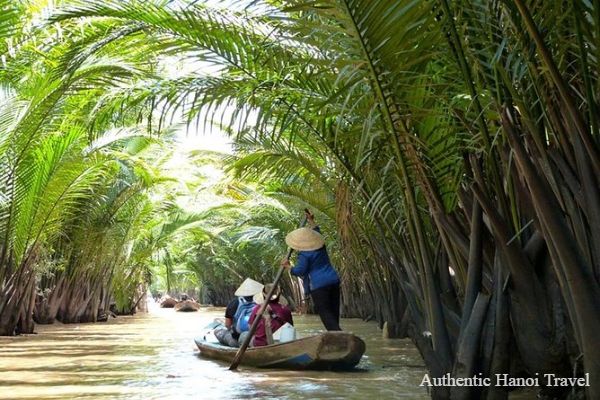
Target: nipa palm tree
x,y
460,141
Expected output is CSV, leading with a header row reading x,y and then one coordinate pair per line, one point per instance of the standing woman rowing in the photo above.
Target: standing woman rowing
x,y
321,280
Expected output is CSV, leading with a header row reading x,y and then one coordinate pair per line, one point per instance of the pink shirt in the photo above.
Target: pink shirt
x,y
279,316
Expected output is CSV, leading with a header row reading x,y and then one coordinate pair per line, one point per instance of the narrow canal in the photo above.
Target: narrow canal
x,y
153,356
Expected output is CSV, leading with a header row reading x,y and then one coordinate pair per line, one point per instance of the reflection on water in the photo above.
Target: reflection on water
x,y
153,356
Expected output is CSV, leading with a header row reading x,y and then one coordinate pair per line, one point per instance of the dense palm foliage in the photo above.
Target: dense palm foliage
x,y
233,231
74,210
452,145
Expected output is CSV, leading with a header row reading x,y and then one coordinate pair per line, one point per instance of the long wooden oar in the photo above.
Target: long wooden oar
x,y
240,353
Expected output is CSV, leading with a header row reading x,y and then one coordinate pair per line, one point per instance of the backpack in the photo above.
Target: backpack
x,y
241,317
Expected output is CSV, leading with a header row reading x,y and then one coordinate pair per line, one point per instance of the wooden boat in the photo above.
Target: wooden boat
x,y
187,305
168,302
327,351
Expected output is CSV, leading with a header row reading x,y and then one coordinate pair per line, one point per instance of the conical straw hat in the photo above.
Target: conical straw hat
x,y
304,239
249,288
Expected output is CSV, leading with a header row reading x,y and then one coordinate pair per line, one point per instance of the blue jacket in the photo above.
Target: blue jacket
x,y
314,266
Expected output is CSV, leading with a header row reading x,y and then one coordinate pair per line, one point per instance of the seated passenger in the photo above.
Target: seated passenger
x,y
237,313
274,317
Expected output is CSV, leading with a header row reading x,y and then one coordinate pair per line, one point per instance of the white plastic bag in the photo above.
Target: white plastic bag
x,y
286,333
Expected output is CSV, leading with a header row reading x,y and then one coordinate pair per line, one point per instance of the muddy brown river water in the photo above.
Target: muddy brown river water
x,y
153,356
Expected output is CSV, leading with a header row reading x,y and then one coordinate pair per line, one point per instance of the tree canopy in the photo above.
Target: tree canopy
x,y
449,148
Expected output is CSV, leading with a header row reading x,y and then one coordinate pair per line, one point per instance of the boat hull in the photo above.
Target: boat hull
x,y
168,302
187,306
327,351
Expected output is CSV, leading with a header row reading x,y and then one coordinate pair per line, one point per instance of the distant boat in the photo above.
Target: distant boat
x,y
327,351
167,302
187,305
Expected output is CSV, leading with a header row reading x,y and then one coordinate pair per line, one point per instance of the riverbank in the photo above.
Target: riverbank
x,y
152,356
